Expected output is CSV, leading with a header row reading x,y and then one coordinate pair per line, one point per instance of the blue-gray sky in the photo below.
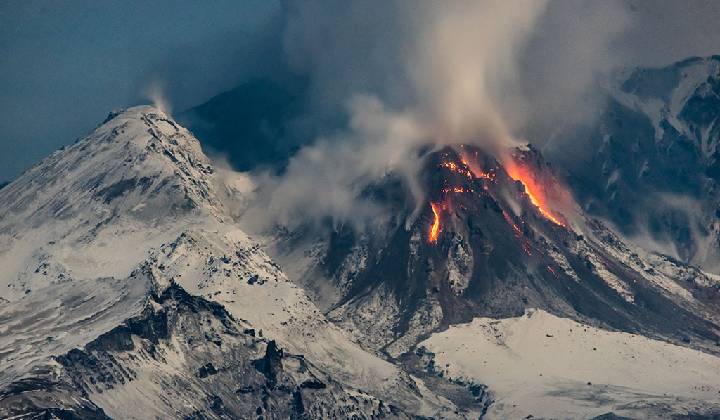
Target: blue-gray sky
x,y
65,64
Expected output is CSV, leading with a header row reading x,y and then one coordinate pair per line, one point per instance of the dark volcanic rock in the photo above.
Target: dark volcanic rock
x,y
271,363
166,348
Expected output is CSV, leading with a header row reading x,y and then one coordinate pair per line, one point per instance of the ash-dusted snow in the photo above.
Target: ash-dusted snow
x,y
550,367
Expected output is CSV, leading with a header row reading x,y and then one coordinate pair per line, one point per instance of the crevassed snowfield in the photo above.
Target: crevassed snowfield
x,y
545,366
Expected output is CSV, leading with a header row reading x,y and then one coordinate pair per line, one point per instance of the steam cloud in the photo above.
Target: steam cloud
x,y
410,74
156,94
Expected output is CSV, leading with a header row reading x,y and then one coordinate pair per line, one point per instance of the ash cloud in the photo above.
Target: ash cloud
x,y
568,65
407,75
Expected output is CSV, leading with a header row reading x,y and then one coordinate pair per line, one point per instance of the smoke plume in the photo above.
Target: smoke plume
x,y
405,75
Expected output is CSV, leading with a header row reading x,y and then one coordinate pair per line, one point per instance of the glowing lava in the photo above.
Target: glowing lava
x,y
435,228
533,190
518,233
456,168
465,168
457,190
474,168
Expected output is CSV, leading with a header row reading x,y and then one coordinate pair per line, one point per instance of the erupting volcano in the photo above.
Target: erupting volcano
x,y
491,242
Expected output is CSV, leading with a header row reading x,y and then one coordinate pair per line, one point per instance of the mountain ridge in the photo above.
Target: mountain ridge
x,y
655,146
127,273
170,232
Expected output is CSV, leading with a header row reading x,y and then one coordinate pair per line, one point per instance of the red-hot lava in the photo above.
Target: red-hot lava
x,y
447,190
435,228
534,190
468,167
465,169
518,233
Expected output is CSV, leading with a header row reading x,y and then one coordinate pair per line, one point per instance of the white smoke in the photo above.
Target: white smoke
x,y
155,92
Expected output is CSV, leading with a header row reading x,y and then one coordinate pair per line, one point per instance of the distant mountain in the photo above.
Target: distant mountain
x,y
651,162
249,124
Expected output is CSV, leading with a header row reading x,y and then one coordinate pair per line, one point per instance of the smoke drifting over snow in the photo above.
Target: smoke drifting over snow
x,y
156,94
412,74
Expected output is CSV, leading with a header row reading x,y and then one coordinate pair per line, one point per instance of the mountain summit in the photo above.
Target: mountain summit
x,y
126,288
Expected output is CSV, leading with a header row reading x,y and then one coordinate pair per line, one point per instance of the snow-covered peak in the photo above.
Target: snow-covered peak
x,y
93,237
135,181
139,163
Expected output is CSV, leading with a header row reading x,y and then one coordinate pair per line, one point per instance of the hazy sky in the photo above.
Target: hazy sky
x,y
66,64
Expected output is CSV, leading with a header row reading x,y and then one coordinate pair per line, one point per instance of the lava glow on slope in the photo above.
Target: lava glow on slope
x,y
467,166
533,189
435,228
457,168
475,168
465,169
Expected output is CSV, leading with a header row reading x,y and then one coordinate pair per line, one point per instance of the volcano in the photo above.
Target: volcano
x,y
493,242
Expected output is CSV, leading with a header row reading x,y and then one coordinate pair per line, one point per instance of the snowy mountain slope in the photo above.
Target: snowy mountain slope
x,y
102,230
652,163
70,215
599,371
61,317
183,356
255,290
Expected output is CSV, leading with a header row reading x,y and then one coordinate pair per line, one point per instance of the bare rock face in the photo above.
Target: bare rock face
x,y
143,366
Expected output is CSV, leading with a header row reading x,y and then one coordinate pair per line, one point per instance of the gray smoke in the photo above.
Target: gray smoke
x,y
410,74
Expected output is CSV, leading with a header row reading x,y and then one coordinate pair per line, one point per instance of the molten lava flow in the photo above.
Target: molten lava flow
x,y
475,168
518,233
448,190
435,228
456,168
533,190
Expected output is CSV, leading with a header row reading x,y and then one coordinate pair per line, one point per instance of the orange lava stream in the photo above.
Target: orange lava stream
x,y
435,228
533,191
475,169
456,168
